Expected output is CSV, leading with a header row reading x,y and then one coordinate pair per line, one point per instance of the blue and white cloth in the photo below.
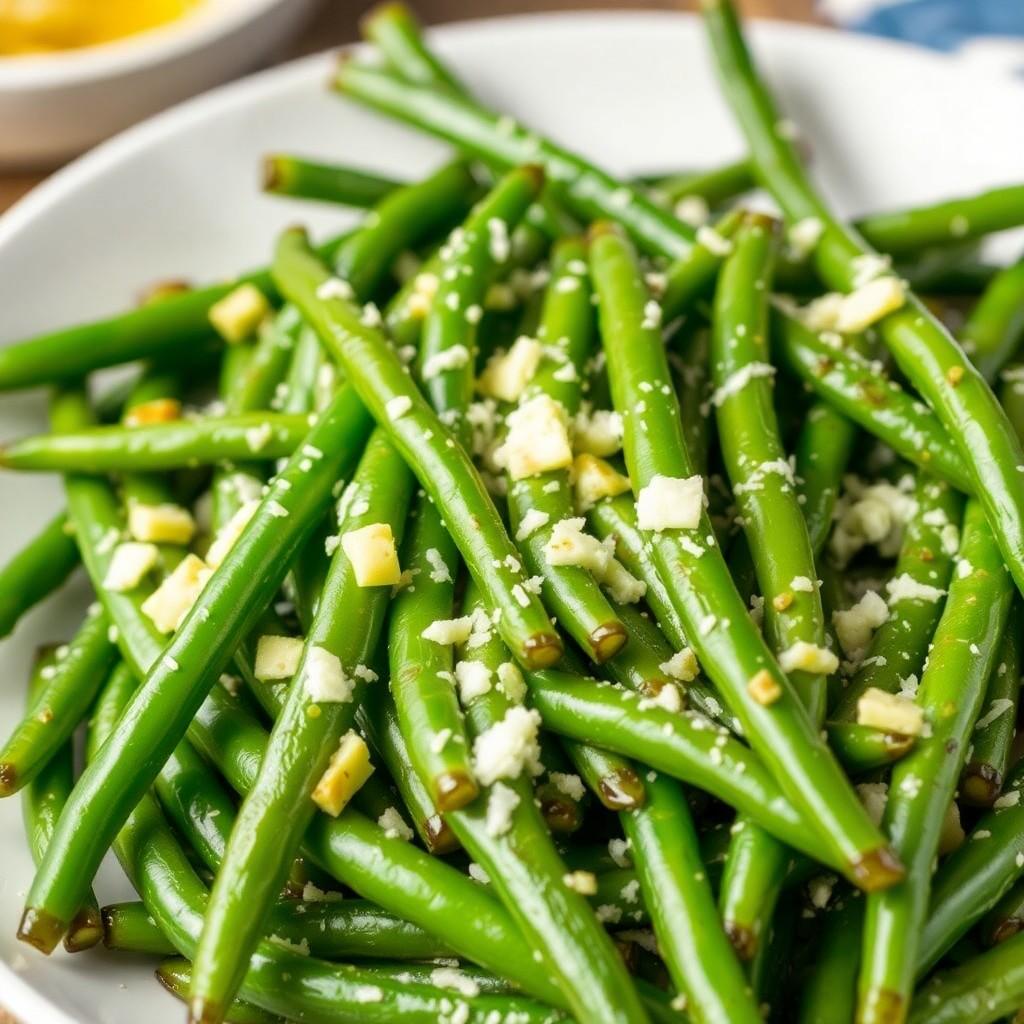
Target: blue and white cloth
x,y
989,31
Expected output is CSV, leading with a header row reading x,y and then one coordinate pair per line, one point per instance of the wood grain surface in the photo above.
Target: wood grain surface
x,y
337,23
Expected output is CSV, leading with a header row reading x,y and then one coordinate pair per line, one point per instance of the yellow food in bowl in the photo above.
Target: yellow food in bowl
x,y
41,26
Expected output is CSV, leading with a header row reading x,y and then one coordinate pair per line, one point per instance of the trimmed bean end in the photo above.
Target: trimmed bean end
x,y
607,640
876,870
41,929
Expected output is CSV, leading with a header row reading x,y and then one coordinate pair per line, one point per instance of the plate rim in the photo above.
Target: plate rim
x,y
28,1000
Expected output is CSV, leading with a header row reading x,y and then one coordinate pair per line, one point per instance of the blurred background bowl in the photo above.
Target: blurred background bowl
x,y
54,105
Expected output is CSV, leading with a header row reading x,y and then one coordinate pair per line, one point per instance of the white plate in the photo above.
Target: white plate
x,y
178,195
54,105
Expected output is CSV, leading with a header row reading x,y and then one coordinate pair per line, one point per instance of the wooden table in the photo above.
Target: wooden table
x,y
336,24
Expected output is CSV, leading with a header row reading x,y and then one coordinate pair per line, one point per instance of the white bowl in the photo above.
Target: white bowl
x,y
53,106
178,196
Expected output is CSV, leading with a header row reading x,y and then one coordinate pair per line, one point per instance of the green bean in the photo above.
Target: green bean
x,y
862,748
393,28
421,680
690,359
718,626
828,996
715,186
161,446
279,980
36,571
384,869
952,221
59,704
951,694
822,452
441,465
586,190
175,975
688,276
975,877
673,879
679,744
271,357
899,647
181,322
504,832
986,988
571,592
995,327
989,756
285,174
42,800
277,810
923,349
859,388
1006,918
333,930
176,681
196,804
302,381
380,722
777,539
422,683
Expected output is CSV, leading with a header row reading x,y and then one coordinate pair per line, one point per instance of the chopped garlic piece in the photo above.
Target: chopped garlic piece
x,y
171,601
507,373
349,769
129,564
888,711
583,882
239,313
371,550
764,688
805,657
277,657
594,479
855,626
670,502
229,533
160,524
869,303
158,410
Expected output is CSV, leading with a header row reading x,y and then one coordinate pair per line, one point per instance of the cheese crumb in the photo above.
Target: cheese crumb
x,y
882,710
869,303
394,825
130,563
855,626
474,680
569,545
669,502
682,665
453,358
371,550
507,373
449,631
537,440
532,521
324,678
508,746
905,588
397,407
598,432
160,524
501,803
621,584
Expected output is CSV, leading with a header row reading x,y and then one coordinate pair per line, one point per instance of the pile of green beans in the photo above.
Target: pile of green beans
x,y
564,611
